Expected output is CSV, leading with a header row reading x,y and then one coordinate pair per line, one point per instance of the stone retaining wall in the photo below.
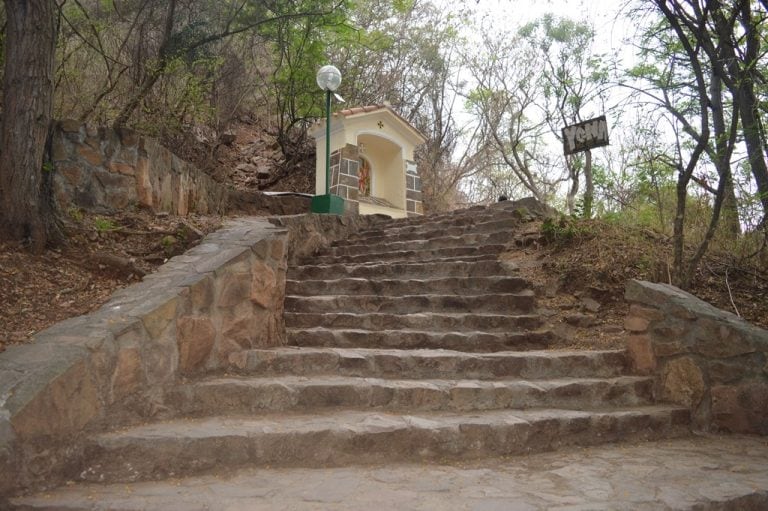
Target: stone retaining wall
x,y
703,357
308,234
104,168
196,314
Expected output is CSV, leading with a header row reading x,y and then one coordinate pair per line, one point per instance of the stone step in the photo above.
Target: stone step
x,y
403,287
395,243
472,214
450,253
701,473
486,266
507,303
422,363
491,225
243,395
457,322
193,446
441,221
472,342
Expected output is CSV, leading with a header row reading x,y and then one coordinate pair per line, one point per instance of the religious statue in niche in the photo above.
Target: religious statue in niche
x,y
364,177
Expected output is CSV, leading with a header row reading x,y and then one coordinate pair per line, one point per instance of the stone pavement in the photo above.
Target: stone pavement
x,y
698,473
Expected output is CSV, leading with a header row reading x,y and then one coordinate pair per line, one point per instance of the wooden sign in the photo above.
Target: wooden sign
x,y
585,135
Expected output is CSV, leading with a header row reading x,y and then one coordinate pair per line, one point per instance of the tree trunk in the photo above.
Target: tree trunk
x,y
589,185
722,160
754,135
570,198
27,210
737,67
747,103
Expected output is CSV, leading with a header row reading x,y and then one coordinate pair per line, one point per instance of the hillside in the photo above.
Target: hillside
x,y
582,271
579,272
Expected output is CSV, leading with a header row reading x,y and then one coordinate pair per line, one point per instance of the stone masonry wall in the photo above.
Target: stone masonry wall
x,y
345,163
704,358
201,308
198,313
104,168
308,234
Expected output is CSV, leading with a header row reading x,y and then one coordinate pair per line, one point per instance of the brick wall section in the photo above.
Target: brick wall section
x,y
702,357
413,202
104,168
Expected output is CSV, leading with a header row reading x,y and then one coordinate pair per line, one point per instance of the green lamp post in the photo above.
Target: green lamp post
x,y
328,79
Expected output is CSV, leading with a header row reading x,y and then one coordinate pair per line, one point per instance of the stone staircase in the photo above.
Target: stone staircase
x,y
409,342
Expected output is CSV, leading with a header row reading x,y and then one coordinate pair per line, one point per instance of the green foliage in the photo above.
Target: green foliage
x,y
75,214
299,46
563,230
184,44
170,244
403,6
102,224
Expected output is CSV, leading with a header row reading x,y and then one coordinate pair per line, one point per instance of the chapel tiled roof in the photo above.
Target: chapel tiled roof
x,y
361,109
348,112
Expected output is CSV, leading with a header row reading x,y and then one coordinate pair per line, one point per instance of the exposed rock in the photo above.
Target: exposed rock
x,y
529,205
590,304
247,168
581,320
189,231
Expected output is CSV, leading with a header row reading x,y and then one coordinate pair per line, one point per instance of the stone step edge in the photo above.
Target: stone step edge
x,y
330,379
700,478
395,288
461,240
429,227
385,280
351,437
441,351
411,331
433,222
448,314
236,395
321,319
413,255
309,360
484,258
525,293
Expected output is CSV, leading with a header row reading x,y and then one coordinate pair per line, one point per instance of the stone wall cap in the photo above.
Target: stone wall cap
x,y
36,366
670,298
655,294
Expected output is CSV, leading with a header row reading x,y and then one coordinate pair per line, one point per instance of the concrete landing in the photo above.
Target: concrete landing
x,y
699,473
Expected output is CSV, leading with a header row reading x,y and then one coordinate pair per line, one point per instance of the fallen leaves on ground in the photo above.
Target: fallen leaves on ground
x,y
102,254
